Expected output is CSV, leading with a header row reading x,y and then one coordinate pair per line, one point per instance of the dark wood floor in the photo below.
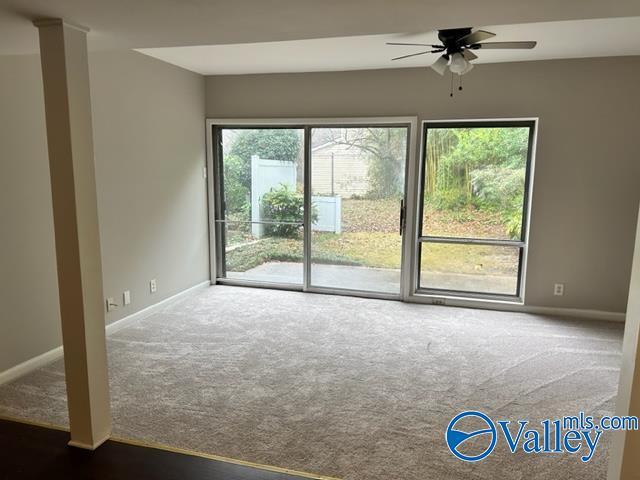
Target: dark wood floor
x,y
29,452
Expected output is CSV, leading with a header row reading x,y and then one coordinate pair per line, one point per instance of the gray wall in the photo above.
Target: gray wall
x,y
149,151
586,193
29,323
150,154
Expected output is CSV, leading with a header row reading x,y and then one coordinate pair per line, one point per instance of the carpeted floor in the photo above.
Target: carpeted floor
x,y
341,386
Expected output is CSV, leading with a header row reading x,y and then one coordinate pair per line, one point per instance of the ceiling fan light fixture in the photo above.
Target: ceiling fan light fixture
x,y
458,64
440,65
468,69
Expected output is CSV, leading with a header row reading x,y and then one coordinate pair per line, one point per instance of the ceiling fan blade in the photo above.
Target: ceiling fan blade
x,y
415,54
416,44
513,45
440,65
469,55
476,37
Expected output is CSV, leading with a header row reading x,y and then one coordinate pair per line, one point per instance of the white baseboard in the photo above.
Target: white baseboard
x,y
30,365
52,355
578,313
150,310
507,306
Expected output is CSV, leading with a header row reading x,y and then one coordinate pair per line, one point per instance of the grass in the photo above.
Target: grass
x,y
371,249
377,250
476,259
383,250
248,256
273,249
370,238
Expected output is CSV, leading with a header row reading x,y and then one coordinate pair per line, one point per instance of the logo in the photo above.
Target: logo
x,y
458,439
472,435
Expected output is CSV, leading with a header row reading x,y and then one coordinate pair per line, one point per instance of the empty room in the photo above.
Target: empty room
x,y
353,240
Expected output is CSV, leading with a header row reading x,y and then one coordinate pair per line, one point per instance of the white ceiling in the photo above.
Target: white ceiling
x,y
168,23
567,39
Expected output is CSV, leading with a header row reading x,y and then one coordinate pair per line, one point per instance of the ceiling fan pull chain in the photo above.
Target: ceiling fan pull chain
x,y
460,85
451,89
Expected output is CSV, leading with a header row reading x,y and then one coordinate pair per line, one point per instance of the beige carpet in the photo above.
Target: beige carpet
x,y
341,386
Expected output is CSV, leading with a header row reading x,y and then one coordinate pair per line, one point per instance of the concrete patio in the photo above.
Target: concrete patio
x,y
374,279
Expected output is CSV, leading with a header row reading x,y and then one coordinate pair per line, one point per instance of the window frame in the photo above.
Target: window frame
x,y
521,244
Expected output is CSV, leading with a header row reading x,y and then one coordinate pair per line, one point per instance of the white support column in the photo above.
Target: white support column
x,y
65,75
624,461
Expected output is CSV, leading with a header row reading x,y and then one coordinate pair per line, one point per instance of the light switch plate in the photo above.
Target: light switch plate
x,y
126,297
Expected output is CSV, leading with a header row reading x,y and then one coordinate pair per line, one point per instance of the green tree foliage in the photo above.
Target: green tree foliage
x,y
275,144
501,189
478,167
236,192
283,204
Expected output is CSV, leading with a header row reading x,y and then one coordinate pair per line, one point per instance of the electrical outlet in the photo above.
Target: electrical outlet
x,y
438,301
126,297
153,286
111,304
558,289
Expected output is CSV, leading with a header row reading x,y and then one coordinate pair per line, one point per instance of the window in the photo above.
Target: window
x,y
473,207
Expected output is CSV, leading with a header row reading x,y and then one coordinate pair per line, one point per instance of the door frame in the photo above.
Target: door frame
x,y
411,169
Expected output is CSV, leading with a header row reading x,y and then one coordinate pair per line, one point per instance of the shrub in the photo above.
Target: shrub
x,y
283,204
450,198
513,223
236,192
496,187
500,189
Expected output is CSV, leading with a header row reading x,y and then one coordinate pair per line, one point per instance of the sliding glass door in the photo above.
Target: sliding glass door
x,y
352,204
474,202
358,194
260,204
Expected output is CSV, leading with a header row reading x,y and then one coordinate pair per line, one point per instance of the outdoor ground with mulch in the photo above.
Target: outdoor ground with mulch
x,y
370,237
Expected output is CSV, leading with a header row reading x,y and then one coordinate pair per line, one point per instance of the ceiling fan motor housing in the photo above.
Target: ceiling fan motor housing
x,y
450,38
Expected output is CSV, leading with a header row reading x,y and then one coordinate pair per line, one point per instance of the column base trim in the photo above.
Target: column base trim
x,y
87,446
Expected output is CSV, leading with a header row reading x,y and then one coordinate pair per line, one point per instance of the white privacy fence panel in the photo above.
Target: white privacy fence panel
x,y
267,174
329,211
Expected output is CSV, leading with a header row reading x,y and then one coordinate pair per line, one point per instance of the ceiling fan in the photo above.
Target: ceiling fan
x,y
457,48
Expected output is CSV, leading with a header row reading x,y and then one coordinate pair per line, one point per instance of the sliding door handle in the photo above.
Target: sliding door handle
x,y
402,214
